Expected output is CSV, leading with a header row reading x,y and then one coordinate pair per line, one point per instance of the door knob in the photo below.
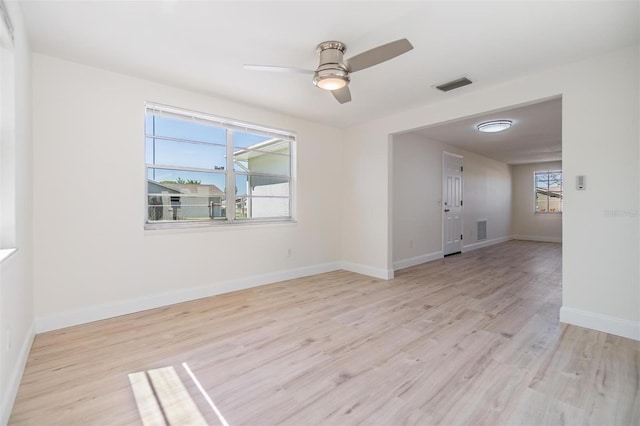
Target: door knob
x,y
446,210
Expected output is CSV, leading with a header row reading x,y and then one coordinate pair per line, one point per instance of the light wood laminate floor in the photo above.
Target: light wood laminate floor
x,y
469,339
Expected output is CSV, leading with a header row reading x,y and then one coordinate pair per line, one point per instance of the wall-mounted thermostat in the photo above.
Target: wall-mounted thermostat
x,y
580,182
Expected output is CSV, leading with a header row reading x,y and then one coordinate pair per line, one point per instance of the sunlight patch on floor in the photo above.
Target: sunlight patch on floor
x,y
205,395
163,399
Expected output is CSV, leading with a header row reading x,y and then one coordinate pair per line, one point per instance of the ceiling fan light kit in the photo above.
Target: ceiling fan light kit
x,y
333,70
330,82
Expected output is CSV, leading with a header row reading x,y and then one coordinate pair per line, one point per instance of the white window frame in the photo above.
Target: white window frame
x,y
8,241
535,188
230,126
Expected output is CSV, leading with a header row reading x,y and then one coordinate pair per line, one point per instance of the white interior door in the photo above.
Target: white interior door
x,y
452,203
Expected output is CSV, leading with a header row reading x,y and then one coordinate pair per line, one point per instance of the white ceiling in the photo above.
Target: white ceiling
x,y
535,136
202,45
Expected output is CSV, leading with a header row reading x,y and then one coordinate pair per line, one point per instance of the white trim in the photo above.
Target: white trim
x,y
485,243
110,310
538,238
383,274
16,376
453,155
210,119
418,260
599,322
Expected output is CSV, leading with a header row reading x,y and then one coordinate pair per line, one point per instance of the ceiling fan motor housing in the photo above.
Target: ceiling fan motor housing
x,y
332,64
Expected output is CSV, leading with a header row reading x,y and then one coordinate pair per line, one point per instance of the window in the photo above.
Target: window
x,y
548,190
206,169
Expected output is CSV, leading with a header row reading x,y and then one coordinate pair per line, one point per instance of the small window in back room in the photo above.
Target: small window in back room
x,y
548,191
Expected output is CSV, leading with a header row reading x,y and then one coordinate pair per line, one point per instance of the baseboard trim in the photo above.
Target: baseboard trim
x,y
383,274
16,377
486,243
110,310
599,322
418,260
538,238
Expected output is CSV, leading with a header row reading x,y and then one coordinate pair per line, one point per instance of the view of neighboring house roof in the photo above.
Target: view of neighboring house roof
x,y
183,188
551,192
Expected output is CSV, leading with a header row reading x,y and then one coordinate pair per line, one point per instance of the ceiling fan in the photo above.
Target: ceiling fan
x,y
333,71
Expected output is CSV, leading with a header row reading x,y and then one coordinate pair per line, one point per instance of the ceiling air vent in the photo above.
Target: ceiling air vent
x,y
454,84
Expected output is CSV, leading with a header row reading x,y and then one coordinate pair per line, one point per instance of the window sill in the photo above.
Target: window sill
x,y
546,213
161,228
6,253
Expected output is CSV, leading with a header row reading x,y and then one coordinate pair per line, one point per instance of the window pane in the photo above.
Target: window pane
x,y
245,140
242,185
269,186
262,186
555,204
148,124
184,154
191,207
182,177
179,195
541,202
262,197
148,151
262,207
263,162
555,180
541,180
184,129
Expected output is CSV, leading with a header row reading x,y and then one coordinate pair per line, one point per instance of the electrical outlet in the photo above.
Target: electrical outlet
x,y
289,251
410,243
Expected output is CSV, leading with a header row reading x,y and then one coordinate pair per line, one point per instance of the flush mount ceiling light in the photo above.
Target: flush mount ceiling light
x,y
494,126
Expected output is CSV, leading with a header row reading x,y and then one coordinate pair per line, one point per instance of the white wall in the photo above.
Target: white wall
x,y
95,260
417,199
16,281
601,246
526,224
366,202
417,195
486,195
601,240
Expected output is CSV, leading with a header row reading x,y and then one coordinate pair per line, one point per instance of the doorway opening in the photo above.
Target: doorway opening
x,y
497,192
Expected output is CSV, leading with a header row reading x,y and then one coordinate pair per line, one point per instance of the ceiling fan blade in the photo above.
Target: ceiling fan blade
x,y
277,69
342,95
378,55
